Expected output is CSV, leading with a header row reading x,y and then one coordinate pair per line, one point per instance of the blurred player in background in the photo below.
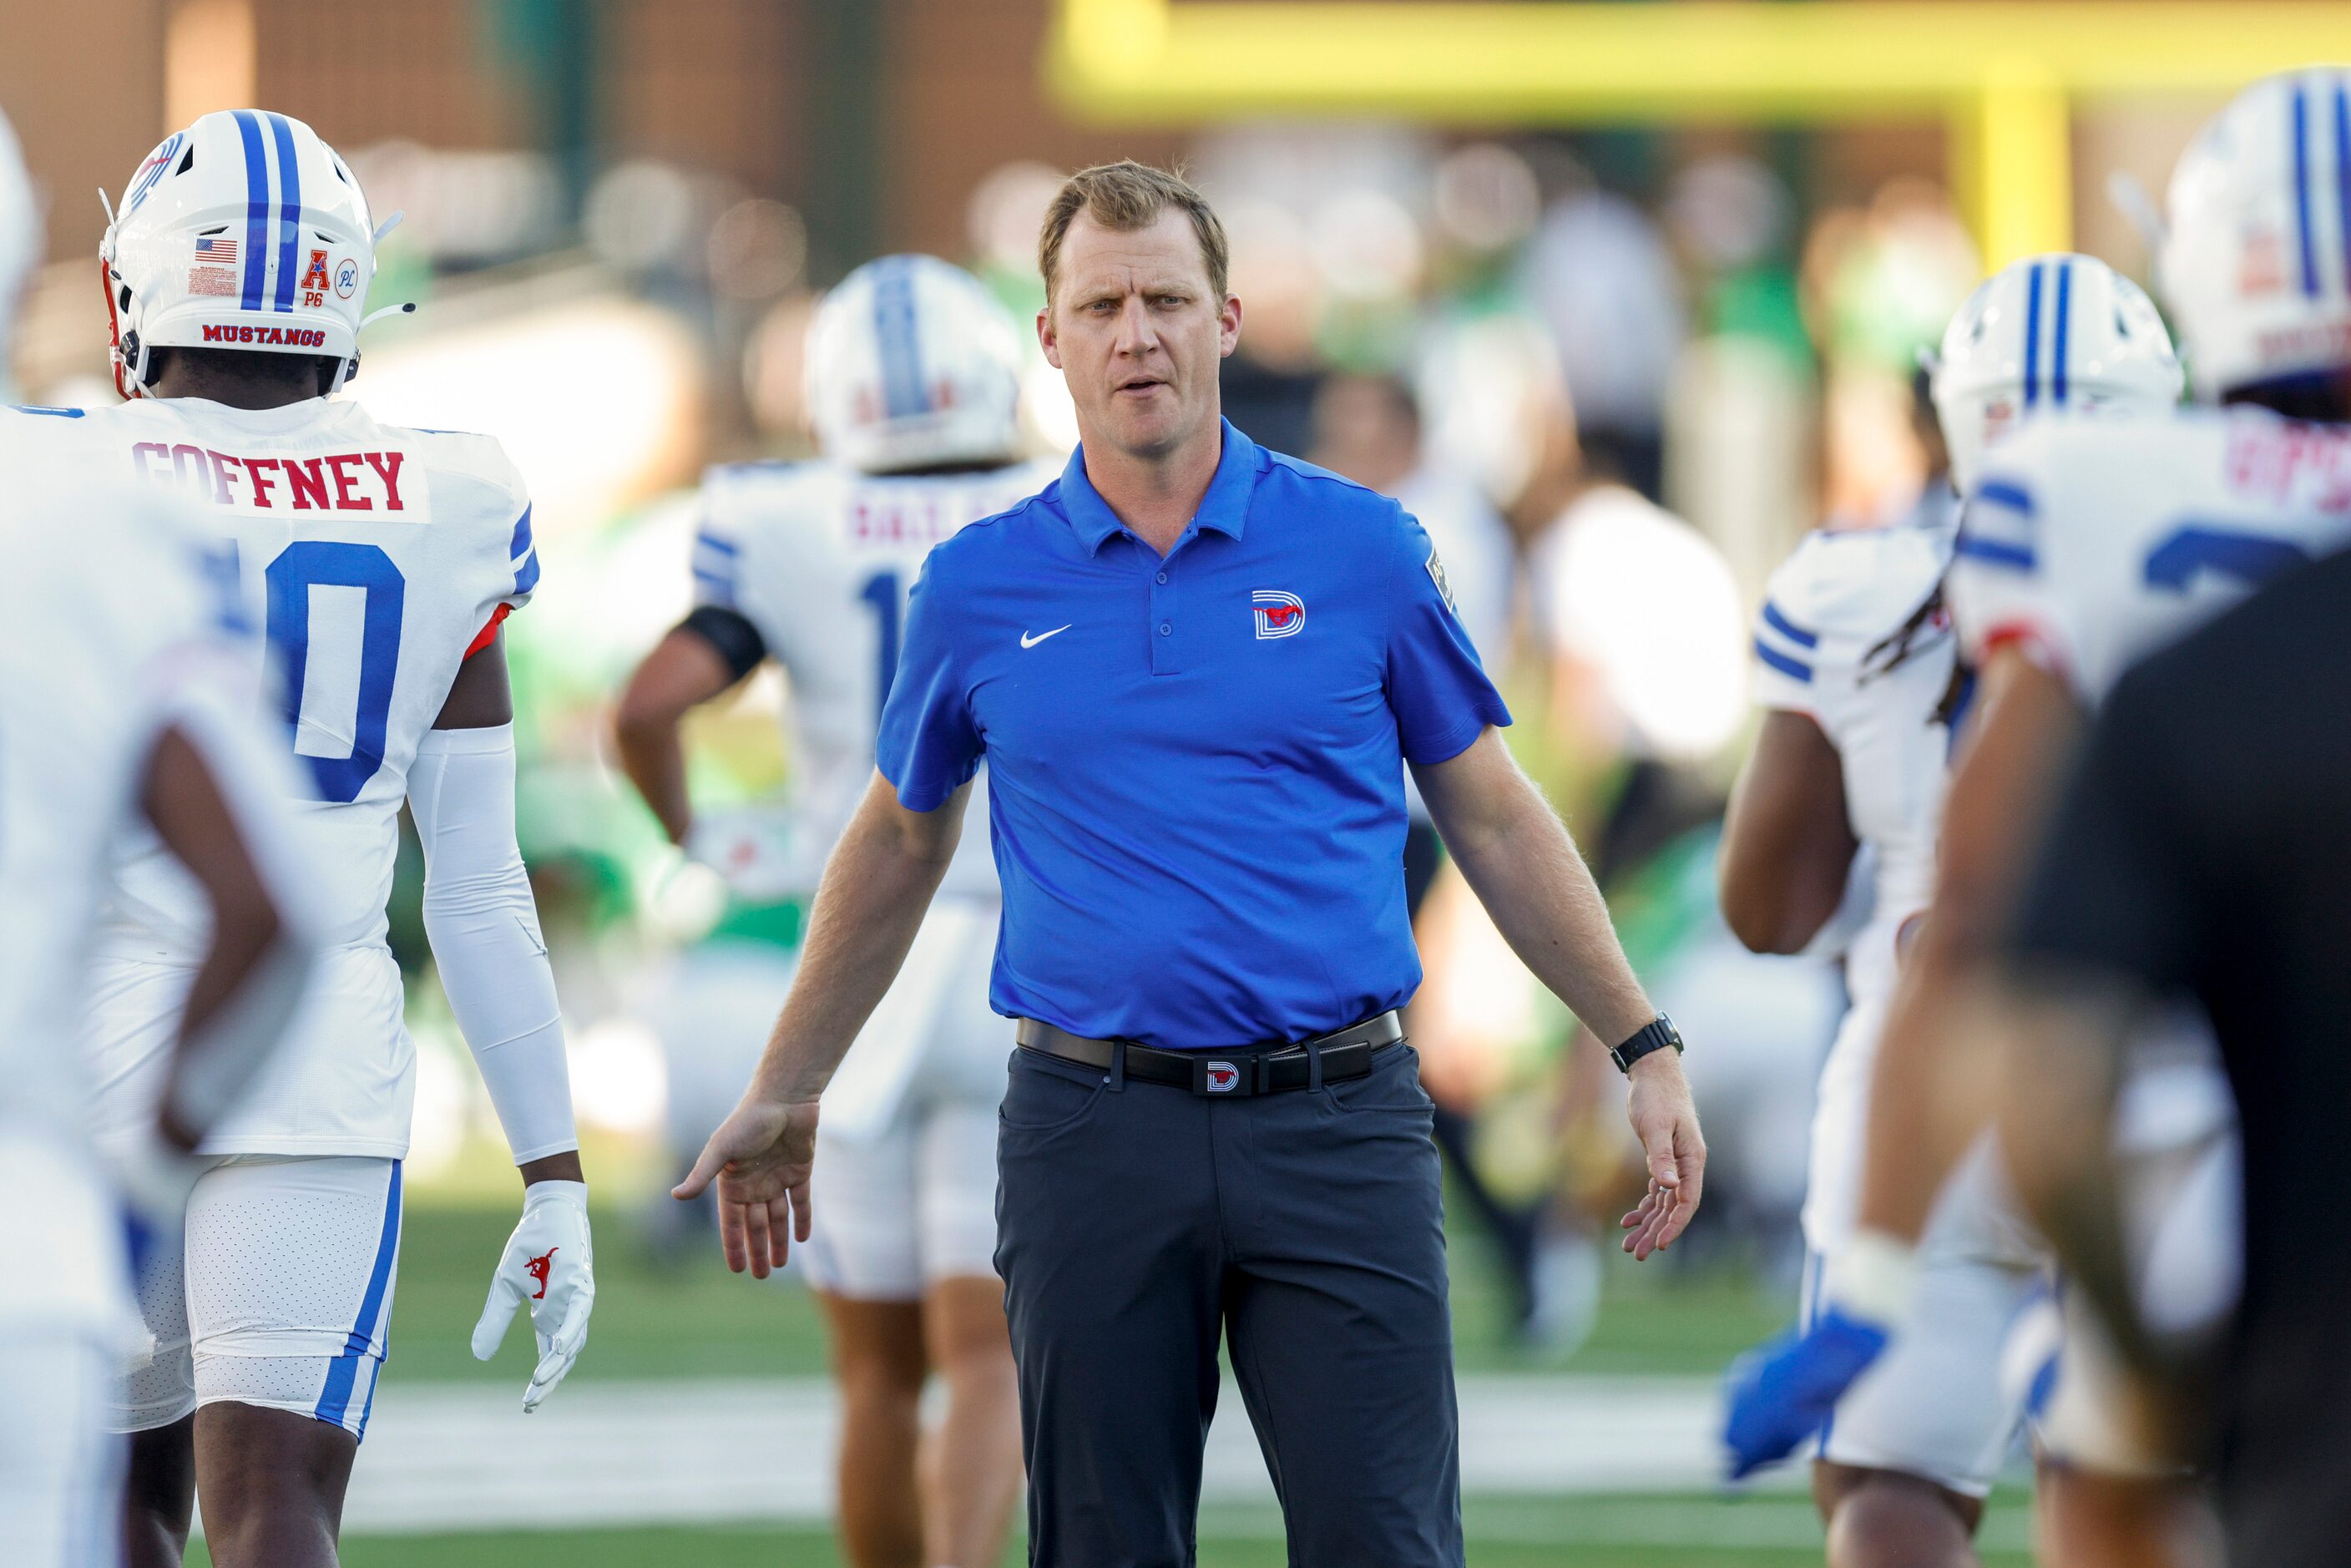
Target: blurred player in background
x,y
383,561
2089,544
1861,681
1368,428
913,378
2184,860
125,695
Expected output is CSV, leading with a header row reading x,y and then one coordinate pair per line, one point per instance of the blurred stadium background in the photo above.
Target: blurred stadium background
x,y
1628,257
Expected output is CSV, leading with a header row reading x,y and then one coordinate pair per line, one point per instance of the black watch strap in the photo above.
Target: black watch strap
x,y
1655,1035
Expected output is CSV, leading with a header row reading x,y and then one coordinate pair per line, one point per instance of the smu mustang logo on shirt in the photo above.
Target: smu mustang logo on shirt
x,y
1279,614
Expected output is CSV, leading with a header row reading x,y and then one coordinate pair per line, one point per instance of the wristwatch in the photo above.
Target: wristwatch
x,y
1655,1035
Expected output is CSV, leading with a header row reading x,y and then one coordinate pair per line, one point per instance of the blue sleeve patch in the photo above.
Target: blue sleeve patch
x,y
48,412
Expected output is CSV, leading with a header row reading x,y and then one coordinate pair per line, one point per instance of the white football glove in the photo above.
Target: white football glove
x,y
750,847
549,1264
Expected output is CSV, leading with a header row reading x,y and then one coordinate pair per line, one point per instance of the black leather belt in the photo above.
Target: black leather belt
x,y
1273,1068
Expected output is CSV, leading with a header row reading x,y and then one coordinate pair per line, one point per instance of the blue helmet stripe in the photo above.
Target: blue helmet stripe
x,y
2343,171
902,391
2301,189
289,208
2057,350
2032,337
257,208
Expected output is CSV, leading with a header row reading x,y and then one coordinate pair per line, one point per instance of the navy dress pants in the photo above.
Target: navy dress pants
x,y
1138,1223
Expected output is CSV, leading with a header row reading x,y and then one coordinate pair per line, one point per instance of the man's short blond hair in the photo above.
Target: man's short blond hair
x,y
1125,196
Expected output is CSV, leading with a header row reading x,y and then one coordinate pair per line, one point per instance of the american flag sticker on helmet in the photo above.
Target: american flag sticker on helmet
x,y
1443,588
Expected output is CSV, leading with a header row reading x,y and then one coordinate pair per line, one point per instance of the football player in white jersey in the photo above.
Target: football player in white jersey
x,y
122,699
378,563
912,385
1861,678
2088,544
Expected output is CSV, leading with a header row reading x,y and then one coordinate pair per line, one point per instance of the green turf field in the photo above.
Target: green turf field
x,y
681,1314
684,1315
1698,1532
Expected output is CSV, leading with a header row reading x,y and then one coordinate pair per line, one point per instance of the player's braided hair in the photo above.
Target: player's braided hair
x,y
1927,625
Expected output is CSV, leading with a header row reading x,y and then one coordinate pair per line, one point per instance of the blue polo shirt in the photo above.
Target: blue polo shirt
x,y
1195,764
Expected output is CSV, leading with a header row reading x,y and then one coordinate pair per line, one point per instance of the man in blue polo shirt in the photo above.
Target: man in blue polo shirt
x,y
1196,670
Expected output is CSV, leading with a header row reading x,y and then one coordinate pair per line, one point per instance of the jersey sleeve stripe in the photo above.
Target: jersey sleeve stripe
x,y
257,208
1997,552
289,207
712,541
525,555
1787,628
1795,669
2007,493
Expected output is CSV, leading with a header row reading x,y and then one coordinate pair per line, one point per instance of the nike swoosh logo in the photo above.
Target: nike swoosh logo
x,y
1028,642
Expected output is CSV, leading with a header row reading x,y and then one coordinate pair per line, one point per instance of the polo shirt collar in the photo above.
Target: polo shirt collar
x,y
1225,506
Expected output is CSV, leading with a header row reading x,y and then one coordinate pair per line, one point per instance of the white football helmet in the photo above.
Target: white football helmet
x,y
2059,331
2256,257
244,231
912,363
20,244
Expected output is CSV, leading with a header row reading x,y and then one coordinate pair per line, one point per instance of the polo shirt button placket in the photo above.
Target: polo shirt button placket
x,y
1164,648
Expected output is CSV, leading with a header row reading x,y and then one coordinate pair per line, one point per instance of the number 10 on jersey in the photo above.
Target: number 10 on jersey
x,y
340,652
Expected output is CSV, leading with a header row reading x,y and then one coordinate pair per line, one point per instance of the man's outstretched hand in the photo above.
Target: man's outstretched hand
x,y
1665,1119
760,1157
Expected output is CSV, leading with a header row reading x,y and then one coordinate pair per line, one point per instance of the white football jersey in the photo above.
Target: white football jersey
x,y
1842,638
2095,541
113,624
371,561
820,558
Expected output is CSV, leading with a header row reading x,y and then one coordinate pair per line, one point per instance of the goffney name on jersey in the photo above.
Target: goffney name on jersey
x,y
335,482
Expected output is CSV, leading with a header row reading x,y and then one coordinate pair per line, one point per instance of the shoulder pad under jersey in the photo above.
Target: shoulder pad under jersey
x,y
1841,599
